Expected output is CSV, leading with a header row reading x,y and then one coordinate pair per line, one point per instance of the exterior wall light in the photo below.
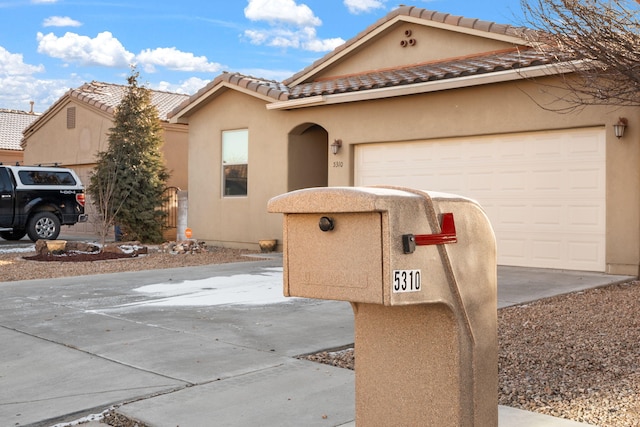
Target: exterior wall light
x,y
620,127
335,147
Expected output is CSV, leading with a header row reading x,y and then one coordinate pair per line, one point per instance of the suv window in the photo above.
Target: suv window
x,y
46,178
5,181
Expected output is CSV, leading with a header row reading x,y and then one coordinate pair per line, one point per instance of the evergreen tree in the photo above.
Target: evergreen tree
x,y
130,177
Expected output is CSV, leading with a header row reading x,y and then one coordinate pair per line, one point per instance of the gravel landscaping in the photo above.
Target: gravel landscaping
x,y
15,267
573,356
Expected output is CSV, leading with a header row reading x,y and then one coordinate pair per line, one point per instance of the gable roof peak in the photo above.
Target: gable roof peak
x,y
272,90
429,17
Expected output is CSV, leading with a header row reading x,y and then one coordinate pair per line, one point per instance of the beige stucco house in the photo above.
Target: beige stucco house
x,y
430,101
12,123
76,127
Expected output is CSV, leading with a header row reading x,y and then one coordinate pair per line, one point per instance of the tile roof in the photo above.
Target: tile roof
x,y
107,96
12,123
511,59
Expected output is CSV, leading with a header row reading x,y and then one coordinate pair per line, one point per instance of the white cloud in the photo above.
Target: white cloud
x,y
20,85
305,38
282,11
104,49
44,1
187,87
107,51
12,64
173,59
18,90
257,37
292,25
61,21
325,45
277,75
362,6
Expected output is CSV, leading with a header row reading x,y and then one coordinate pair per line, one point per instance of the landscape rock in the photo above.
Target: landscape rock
x,y
41,247
184,247
82,247
130,248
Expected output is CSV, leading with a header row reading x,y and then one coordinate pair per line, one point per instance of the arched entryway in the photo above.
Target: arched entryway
x,y
307,157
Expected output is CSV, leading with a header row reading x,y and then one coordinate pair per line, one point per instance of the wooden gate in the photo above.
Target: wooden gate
x,y
170,208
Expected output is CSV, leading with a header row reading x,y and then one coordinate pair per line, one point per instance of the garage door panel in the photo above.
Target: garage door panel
x,y
584,253
514,181
587,216
481,181
547,179
584,145
547,215
512,214
586,179
546,250
543,192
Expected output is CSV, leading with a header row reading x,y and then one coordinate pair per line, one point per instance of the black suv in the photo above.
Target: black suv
x,y
37,200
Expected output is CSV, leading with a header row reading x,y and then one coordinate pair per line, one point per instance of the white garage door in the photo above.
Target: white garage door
x,y
544,192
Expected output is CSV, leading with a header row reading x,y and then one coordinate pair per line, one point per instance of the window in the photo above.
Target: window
x,y
40,177
235,162
5,181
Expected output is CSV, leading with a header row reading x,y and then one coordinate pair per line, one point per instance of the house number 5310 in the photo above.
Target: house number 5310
x,y
406,281
338,164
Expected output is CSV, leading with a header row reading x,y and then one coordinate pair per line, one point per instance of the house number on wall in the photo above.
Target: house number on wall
x,y
338,164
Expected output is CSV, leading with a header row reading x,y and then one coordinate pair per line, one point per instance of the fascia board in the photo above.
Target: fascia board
x,y
470,31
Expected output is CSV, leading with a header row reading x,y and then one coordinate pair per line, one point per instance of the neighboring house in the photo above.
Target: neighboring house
x,y
12,123
431,101
75,128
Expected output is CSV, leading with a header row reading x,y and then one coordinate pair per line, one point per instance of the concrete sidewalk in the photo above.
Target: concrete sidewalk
x,y
170,349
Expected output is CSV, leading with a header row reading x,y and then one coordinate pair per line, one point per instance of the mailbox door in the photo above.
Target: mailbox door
x,y
344,263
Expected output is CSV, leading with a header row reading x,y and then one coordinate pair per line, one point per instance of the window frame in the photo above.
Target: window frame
x,y
232,137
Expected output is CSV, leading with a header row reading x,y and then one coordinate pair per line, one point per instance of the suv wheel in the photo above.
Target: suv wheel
x,y
15,234
43,225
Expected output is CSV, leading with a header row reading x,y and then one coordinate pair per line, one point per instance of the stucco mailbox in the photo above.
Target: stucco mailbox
x,y
419,269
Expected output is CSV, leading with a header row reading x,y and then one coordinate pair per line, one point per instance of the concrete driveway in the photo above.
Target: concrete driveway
x,y
201,346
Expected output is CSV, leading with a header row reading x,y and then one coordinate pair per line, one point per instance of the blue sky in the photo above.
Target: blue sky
x,y
50,46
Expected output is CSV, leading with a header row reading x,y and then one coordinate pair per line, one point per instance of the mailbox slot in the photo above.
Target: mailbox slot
x,y
339,262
